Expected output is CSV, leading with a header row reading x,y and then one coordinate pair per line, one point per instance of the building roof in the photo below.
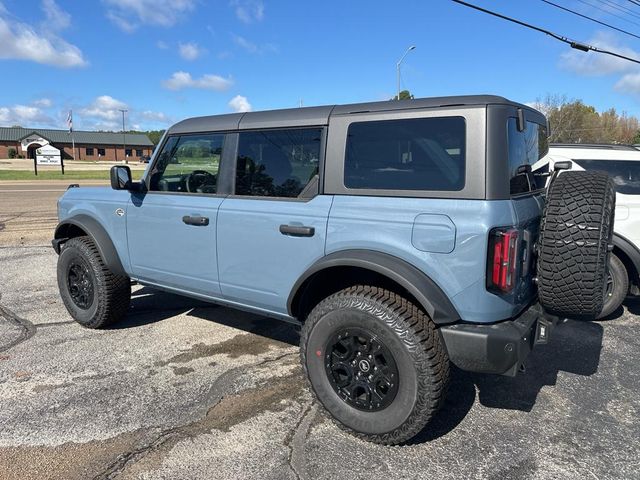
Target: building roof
x,y
15,134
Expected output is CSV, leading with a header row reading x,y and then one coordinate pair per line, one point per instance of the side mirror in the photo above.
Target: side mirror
x,y
121,177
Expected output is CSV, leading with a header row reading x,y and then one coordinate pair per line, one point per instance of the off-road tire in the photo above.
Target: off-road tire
x,y
573,246
411,337
111,293
619,289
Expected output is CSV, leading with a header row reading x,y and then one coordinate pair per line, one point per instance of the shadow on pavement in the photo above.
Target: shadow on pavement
x,y
574,348
149,306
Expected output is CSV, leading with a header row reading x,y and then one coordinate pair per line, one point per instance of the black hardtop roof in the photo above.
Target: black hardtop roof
x,y
307,116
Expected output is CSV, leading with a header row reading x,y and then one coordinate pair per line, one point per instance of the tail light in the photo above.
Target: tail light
x,y
502,260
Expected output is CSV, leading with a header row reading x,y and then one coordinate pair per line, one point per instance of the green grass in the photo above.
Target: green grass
x,y
55,175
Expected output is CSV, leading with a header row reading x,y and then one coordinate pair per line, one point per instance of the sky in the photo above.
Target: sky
x,y
166,60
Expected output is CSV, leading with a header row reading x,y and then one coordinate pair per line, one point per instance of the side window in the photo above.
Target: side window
x,y
278,163
406,154
188,164
527,148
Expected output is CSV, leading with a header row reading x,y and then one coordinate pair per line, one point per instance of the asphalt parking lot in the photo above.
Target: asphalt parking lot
x,y
183,389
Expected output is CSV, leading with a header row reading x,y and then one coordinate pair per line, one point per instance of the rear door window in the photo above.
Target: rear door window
x,y
526,148
278,163
625,173
406,154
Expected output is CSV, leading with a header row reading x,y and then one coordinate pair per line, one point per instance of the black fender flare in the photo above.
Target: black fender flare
x,y
430,296
628,248
99,236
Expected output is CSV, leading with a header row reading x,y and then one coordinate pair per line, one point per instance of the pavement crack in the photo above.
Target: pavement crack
x,y
213,398
28,328
295,442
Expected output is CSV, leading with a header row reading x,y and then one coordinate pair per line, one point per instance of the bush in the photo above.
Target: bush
x,y
12,153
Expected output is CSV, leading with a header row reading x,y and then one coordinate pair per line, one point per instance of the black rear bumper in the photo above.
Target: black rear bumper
x,y
499,347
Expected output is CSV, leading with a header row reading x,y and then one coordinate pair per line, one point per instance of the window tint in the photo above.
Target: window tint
x,y
408,154
278,163
625,174
89,152
138,152
526,148
188,164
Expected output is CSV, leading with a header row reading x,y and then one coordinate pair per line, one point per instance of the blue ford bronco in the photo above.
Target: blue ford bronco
x,y
402,236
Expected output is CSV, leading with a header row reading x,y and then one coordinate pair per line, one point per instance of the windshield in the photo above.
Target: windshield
x,y
625,173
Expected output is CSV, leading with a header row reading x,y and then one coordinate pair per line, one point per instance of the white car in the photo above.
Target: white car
x,y
622,163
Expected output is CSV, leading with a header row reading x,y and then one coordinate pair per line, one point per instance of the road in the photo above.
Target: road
x,y
183,389
28,212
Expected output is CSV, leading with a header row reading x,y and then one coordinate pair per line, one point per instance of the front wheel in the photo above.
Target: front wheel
x,y
617,286
94,296
375,362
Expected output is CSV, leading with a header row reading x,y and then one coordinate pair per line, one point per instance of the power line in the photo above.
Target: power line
x,y
618,7
577,45
590,18
608,12
634,2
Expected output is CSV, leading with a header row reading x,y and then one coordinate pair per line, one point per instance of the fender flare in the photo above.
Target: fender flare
x,y
628,248
428,294
98,235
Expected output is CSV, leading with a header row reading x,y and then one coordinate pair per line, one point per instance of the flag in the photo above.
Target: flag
x,y
70,121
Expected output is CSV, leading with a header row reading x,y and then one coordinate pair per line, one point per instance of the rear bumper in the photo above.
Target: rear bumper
x,y
500,347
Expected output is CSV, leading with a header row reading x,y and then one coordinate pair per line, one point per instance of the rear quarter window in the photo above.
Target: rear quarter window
x,y
526,148
406,154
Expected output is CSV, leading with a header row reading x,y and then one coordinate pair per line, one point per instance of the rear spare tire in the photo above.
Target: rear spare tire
x,y
573,247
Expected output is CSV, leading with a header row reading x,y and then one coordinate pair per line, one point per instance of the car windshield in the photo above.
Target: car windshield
x,y
625,173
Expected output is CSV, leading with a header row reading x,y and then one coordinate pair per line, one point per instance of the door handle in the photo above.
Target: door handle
x,y
297,231
196,220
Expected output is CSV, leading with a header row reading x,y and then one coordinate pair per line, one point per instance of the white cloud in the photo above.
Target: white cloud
x,y
182,80
57,18
248,11
629,83
161,45
163,13
157,117
190,51
21,41
597,64
240,104
104,107
24,115
252,47
103,113
43,102
122,23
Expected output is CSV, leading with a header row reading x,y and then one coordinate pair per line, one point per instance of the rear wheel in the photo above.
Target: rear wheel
x,y
617,286
94,296
375,362
573,247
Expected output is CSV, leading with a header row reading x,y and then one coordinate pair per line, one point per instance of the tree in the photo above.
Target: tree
x,y
575,122
404,95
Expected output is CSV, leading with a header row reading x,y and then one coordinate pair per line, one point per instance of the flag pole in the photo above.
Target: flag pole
x,y
73,141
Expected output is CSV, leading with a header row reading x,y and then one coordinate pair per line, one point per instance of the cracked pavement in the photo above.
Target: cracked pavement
x,y
184,389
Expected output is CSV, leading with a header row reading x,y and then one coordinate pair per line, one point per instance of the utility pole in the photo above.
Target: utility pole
x,y
124,139
412,47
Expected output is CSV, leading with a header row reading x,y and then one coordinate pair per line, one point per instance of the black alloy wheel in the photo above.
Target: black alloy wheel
x,y
361,369
80,284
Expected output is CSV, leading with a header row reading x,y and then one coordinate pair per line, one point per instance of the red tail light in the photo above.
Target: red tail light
x,y
501,264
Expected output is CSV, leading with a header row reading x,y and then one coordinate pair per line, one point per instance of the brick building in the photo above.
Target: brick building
x,y
92,146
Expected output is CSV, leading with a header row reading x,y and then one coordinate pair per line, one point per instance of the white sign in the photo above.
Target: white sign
x,y
48,155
